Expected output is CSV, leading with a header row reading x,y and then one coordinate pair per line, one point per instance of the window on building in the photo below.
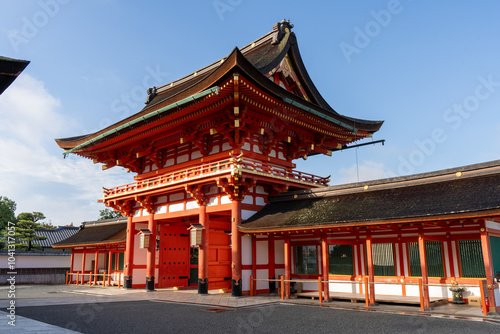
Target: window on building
x,y
434,256
306,260
117,265
471,258
383,259
340,260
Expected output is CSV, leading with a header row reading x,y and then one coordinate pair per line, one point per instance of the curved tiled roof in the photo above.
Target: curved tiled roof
x,y
97,232
54,235
255,59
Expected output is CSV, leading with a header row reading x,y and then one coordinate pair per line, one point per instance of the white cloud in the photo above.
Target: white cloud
x,y
368,170
32,170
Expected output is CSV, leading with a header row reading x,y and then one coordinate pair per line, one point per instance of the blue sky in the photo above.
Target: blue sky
x,y
429,69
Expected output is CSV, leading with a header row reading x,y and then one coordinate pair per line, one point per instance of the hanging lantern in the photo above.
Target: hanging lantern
x,y
145,236
195,231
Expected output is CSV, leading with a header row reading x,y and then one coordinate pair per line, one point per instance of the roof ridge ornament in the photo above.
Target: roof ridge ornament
x,y
280,29
151,94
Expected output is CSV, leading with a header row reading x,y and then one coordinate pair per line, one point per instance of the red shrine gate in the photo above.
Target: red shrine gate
x,y
209,149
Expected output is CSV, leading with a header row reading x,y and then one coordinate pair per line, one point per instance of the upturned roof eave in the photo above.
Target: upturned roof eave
x,y
236,61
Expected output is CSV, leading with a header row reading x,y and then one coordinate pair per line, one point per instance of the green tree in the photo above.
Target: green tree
x,y
27,223
7,212
109,214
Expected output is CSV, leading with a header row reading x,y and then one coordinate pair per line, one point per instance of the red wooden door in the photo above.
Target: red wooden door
x,y
174,257
219,260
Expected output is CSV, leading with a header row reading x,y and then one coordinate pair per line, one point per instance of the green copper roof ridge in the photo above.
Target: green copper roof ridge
x,y
145,117
319,114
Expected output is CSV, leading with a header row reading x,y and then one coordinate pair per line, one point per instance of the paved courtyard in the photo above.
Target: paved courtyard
x,y
63,308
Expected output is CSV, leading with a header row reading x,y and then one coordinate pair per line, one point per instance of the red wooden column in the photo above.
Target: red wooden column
x,y
236,290
371,270
423,268
288,266
72,260
488,267
254,266
96,265
203,252
325,266
83,264
129,254
151,255
110,260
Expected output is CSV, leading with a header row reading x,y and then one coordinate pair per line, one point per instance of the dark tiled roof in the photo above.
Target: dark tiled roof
x,y
9,71
255,59
97,232
474,190
55,235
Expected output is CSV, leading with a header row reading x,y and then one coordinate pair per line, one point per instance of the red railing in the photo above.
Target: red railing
x,y
211,169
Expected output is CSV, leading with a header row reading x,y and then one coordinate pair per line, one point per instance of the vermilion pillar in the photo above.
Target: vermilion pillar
x,y
110,260
486,248
423,268
236,290
288,266
83,264
326,267
151,256
72,259
371,270
96,265
203,252
129,255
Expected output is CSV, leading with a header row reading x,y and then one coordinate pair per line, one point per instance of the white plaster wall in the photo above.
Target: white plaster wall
x,y
89,257
77,262
343,287
139,276
246,250
247,200
497,297
385,289
245,279
313,286
492,225
38,261
278,273
139,253
191,205
262,252
225,200
264,274
176,207
279,251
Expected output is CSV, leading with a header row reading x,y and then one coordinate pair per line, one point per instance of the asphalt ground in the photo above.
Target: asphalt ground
x,y
165,317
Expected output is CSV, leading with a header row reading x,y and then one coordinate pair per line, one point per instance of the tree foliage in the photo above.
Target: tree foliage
x,y
7,212
109,214
27,223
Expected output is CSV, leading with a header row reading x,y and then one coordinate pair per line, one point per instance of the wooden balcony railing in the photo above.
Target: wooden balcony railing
x,y
212,169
